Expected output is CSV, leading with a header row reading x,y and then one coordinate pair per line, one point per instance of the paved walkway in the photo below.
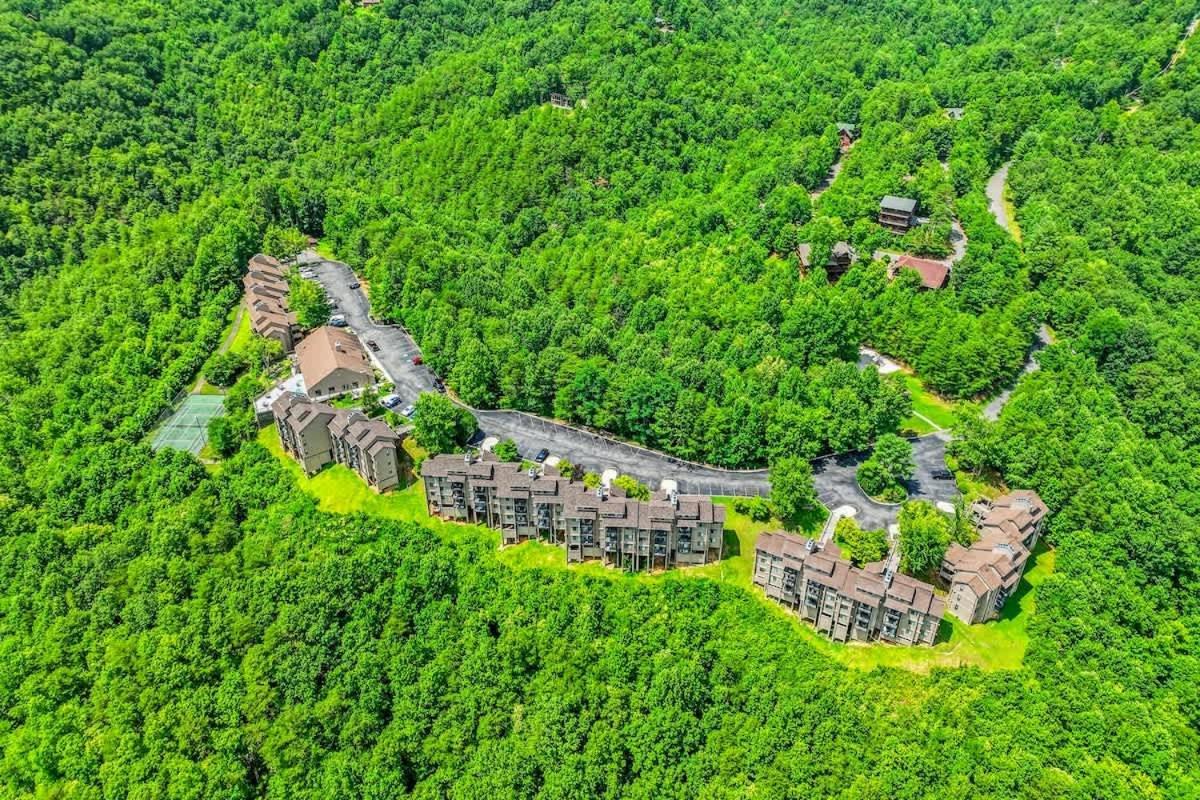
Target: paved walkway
x,y
226,343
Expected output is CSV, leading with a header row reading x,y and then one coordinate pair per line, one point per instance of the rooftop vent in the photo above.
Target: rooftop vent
x,y
532,472
810,545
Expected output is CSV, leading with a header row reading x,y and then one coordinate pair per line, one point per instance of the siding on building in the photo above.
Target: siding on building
x,y
983,576
670,530
317,434
843,601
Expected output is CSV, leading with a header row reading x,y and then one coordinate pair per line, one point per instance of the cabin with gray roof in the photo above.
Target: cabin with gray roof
x,y
897,214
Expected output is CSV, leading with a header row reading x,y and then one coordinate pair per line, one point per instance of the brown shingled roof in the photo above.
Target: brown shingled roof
x,y
327,349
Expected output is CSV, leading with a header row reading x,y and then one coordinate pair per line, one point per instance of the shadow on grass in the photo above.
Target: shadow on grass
x,y
1015,605
733,545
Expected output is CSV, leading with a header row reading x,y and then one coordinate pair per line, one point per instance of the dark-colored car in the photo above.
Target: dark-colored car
x,y
541,455
374,345
943,475
418,361
355,285
440,385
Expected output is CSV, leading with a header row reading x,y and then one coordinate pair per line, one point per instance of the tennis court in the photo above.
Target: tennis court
x,y
187,428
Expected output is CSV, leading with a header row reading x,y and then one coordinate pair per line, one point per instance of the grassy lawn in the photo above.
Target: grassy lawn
x,y
244,333
928,405
995,645
339,490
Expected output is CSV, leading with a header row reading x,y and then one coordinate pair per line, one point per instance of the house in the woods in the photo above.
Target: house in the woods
x,y
934,274
841,257
847,134
897,214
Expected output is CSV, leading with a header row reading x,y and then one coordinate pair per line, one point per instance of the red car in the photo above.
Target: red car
x,y
418,361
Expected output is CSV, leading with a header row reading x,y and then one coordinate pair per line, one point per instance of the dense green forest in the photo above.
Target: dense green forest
x,y
168,631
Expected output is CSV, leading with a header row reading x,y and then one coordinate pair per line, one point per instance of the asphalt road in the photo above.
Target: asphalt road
x,y
992,410
995,195
833,476
594,452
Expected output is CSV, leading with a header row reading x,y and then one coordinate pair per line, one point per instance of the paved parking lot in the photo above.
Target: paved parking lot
x,y
833,476
591,451
597,453
396,348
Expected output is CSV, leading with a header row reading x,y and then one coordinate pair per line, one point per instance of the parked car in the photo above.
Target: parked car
x,y
440,385
355,285
389,400
541,455
943,475
374,345
418,361
408,410
338,321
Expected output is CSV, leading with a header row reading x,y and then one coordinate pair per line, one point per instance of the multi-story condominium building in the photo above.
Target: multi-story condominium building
x,y
367,446
303,428
897,214
266,297
983,576
317,434
667,531
841,600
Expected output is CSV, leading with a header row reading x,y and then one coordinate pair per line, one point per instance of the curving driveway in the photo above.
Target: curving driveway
x,y
531,433
832,475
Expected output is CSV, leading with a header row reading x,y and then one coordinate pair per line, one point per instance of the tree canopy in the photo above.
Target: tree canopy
x,y
631,264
